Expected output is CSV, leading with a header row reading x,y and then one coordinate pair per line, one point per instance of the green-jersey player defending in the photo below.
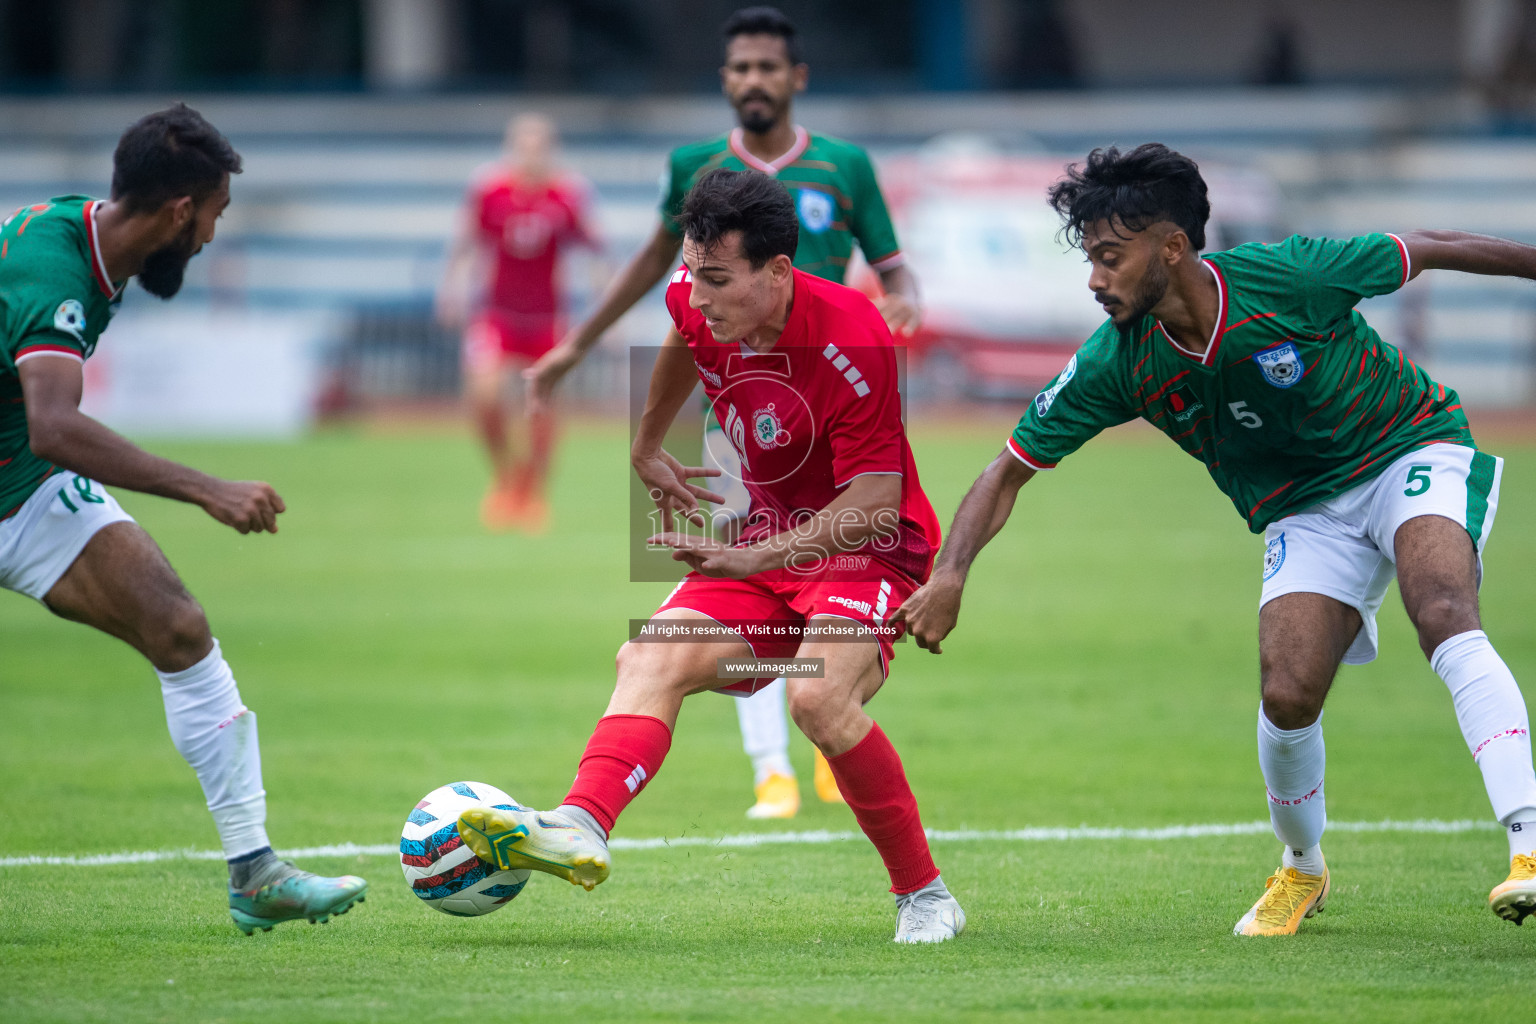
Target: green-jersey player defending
x,y
65,541
838,203
1351,461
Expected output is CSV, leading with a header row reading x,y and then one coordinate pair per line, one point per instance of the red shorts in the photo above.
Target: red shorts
x,y
769,609
495,336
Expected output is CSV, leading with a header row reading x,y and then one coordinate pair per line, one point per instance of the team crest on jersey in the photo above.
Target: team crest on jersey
x,y
815,210
70,319
767,430
1274,555
1281,365
1044,399
1182,403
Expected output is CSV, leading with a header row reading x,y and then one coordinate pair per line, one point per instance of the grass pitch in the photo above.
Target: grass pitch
x,y
1104,673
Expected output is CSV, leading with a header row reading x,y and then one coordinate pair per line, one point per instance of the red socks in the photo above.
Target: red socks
x,y
871,779
624,753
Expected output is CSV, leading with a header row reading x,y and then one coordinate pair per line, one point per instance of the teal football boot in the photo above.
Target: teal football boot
x,y
288,894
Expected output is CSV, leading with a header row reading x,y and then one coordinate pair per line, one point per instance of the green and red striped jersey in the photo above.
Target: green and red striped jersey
x,y
832,182
1295,399
55,300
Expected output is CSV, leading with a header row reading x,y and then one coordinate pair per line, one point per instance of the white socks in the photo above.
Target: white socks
x,y
1497,729
1293,762
765,731
217,736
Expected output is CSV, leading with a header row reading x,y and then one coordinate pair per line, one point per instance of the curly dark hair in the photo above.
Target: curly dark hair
x,y
763,21
758,206
1137,189
171,153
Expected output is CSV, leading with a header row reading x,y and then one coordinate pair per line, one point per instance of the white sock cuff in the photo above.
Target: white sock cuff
x,y
198,673
1452,646
1287,737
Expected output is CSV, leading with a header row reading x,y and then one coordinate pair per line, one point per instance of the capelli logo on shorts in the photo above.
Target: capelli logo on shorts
x,y
862,607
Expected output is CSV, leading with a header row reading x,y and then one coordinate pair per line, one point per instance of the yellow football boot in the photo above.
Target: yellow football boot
x,y
1288,897
778,796
537,840
826,784
1515,897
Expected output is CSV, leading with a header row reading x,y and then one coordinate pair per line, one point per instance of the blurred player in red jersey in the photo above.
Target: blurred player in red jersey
x,y
520,217
802,375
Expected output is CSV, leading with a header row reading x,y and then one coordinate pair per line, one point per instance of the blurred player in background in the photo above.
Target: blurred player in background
x,y
502,282
1352,462
838,203
803,376
66,542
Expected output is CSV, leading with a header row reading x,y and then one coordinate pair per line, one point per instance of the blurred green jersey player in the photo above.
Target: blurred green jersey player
x,y
64,540
1354,464
838,203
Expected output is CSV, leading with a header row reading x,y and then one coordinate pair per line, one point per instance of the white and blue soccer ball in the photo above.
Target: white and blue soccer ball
x,y
444,873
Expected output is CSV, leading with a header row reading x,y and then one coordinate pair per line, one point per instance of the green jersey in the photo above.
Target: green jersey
x,y
55,300
832,183
1295,399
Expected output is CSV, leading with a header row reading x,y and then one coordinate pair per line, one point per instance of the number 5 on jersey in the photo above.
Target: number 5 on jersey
x,y
1246,416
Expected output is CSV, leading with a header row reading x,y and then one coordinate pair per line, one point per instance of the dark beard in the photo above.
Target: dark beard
x,y
164,268
1153,287
758,123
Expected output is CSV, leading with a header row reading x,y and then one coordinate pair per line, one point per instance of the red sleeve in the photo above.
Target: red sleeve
x,y
678,287
866,432
578,199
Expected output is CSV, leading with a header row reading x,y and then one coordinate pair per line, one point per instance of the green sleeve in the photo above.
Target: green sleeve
x,y
674,186
1334,274
869,219
1085,398
48,317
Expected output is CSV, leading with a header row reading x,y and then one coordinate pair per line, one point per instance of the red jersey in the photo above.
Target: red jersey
x,y
526,225
819,409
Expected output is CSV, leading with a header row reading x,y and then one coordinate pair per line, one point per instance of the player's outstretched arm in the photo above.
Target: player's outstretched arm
x,y
666,480
637,277
931,612
1468,253
455,294
901,305
60,433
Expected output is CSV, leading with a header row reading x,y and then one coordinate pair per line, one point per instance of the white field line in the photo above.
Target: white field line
x,y
820,837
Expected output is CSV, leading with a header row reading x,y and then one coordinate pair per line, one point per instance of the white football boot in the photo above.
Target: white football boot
x,y
930,914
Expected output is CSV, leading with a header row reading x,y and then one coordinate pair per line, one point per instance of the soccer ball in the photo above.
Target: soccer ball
x,y
443,872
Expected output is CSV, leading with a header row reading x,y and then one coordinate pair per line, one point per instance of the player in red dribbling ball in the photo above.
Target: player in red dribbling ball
x,y
520,217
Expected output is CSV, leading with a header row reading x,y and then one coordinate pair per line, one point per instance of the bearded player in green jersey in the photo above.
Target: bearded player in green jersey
x,y
1352,462
838,202
64,540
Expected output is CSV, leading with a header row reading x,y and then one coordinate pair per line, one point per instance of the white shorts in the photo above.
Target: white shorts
x,y
720,454
42,540
1342,548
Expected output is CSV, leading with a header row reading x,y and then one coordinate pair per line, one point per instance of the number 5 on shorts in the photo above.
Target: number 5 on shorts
x,y
1418,481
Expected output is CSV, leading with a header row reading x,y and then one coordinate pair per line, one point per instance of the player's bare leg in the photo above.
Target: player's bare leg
x,y
1438,575
830,711
123,585
1302,640
484,386
623,755
532,442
